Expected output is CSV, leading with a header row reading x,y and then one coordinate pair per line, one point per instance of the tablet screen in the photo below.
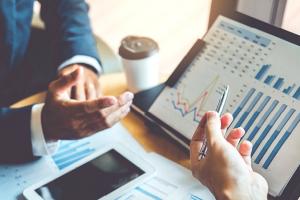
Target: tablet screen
x,y
92,180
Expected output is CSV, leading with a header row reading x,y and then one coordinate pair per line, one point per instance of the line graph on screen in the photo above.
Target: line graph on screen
x,y
186,105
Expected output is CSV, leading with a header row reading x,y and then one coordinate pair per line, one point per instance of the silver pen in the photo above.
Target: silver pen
x,y
219,110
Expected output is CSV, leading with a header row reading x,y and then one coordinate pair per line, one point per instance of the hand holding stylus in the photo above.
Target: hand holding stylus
x,y
226,170
219,110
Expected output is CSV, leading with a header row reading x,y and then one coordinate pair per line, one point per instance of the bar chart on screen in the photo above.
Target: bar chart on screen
x,y
270,117
277,82
262,72
268,124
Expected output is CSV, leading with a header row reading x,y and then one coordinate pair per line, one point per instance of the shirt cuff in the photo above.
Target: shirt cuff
x,y
83,60
40,147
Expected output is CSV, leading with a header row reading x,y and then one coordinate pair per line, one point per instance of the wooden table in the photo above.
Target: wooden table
x,y
115,84
151,141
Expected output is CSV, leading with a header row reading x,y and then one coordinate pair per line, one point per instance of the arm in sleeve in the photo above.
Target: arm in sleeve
x,y
81,59
15,135
68,24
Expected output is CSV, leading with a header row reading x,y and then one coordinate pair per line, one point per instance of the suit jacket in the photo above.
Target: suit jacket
x,y
68,24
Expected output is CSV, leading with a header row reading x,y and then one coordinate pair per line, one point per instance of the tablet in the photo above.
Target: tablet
x,y
106,174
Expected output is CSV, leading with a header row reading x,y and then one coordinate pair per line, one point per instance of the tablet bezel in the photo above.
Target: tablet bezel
x,y
31,194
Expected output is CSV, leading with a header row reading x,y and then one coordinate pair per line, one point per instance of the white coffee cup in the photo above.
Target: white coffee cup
x,y
140,60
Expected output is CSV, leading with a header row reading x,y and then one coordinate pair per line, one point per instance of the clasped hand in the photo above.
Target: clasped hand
x,y
67,118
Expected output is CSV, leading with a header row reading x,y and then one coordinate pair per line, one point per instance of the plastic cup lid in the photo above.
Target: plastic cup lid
x,y
134,47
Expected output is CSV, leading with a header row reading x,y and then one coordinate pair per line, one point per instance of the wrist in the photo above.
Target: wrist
x,y
237,194
232,193
224,195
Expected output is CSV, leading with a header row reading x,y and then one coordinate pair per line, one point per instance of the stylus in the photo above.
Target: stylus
x,y
219,110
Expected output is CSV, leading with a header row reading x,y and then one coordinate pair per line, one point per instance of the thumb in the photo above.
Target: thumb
x,y
197,141
65,82
213,128
100,103
95,105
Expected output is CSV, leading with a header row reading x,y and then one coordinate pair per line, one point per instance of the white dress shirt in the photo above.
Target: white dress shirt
x,y
40,146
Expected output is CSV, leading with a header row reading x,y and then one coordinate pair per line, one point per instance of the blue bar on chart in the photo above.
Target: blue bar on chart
x,y
243,103
263,120
257,112
262,72
274,135
297,94
268,128
279,84
269,79
65,144
289,89
147,193
193,197
71,152
249,109
281,142
69,147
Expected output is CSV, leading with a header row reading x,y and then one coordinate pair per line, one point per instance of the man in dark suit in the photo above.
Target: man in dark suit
x,y
65,55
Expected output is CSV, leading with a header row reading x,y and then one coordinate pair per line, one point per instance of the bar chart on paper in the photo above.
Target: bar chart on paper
x,y
70,152
15,178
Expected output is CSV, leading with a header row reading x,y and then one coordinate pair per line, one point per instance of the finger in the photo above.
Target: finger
x,y
234,136
67,70
79,92
245,151
213,128
90,91
194,152
99,104
98,93
197,141
119,114
199,134
226,120
109,110
98,123
125,97
66,82
98,89
91,106
69,93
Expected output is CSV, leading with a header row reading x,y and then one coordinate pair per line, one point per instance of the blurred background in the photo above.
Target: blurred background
x,y
176,24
